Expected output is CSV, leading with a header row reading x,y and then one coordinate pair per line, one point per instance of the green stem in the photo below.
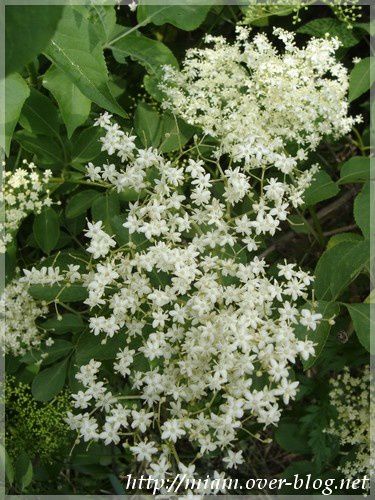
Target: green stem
x,y
317,227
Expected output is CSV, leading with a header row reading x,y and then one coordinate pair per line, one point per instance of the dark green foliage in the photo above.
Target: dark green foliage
x,y
65,65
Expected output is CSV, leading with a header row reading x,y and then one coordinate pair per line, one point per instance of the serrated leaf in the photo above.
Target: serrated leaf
x,y
46,229
103,18
363,325
77,50
39,115
339,238
331,25
322,188
361,78
357,169
28,29
16,93
152,54
80,202
50,381
350,258
46,148
364,206
185,17
74,106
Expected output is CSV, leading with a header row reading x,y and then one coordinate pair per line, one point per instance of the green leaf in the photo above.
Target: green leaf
x,y
46,148
121,233
28,29
299,224
350,258
10,259
57,350
364,206
74,106
103,18
86,145
90,346
357,169
369,27
258,14
129,194
361,78
339,238
104,208
6,464
291,438
23,470
185,17
72,293
320,335
49,382
302,467
175,133
167,130
116,484
363,325
80,202
321,188
152,54
69,323
39,115
332,26
148,125
77,50
16,93
46,229
151,84
64,258
49,354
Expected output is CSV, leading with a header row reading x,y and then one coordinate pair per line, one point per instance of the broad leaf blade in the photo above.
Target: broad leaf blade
x,y
77,50
74,106
16,93
28,29
361,314
49,382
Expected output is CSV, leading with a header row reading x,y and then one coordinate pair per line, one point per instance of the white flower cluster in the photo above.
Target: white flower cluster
x,y
209,333
351,396
18,311
257,101
24,191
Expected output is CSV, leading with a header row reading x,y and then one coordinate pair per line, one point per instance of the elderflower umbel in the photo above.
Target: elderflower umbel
x,y
208,336
256,100
351,397
24,191
19,310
